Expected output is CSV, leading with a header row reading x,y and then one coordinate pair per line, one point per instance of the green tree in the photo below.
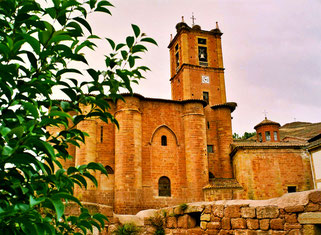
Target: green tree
x,y
37,44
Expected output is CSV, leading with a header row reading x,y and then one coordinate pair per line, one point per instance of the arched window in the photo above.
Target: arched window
x,y
164,140
109,170
164,187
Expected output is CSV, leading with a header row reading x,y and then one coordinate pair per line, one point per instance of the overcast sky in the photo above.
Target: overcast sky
x,y
271,52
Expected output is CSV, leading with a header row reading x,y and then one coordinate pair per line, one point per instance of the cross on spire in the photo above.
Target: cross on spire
x,y
193,19
265,113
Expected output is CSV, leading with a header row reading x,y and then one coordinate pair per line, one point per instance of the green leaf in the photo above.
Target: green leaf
x,y
58,205
32,59
120,45
59,114
62,71
35,201
130,41
84,23
18,131
34,43
138,48
70,93
31,108
150,40
136,30
111,42
103,9
97,166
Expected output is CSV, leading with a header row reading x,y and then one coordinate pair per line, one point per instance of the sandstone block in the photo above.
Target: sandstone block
x,y
238,223
312,207
288,226
295,232
194,208
171,222
226,232
206,217
186,221
208,209
248,212
232,211
195,231
178,211
291,218
264,224
252,223
292,209
212,232
310,218
218,210
226,223
214,225
310,229
277,224
267,212
263,232
315,197
278,233
203,225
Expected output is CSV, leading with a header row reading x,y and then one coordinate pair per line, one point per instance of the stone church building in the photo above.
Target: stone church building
x,y
168,152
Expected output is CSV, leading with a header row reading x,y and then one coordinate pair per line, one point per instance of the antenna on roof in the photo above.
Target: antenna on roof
x,y
193,19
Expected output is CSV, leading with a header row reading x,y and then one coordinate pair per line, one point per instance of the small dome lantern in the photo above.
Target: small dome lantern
x,y
268,131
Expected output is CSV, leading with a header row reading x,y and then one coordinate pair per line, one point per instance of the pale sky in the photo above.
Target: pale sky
x,y
271,52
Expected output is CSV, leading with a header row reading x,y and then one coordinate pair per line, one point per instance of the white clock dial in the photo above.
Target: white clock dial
x,y
205,79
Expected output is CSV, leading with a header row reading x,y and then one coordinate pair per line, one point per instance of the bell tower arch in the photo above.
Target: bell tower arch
x,y
197,70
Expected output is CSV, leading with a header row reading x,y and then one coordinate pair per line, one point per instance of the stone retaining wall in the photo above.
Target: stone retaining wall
x,y
296,213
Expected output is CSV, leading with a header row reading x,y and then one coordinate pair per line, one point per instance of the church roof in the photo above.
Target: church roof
x,y
266,122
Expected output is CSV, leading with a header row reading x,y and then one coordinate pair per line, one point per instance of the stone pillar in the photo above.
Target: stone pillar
x,y
224,138
195,150
128,157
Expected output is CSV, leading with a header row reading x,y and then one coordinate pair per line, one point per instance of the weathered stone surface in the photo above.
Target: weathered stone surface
x,y
226,223
267,212
238,223
248,212
277,224
207,209
310,218
178,210
194,207
309,229
186,221
264,224
252,223
206,217
312,207
171,222
232,211
203,225
298,208
212,232
195,231
295,232
315,197
214,225
288,226
226,232
218,210
291,218
278,233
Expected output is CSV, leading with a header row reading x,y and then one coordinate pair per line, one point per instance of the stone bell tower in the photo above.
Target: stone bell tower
x,y
197,72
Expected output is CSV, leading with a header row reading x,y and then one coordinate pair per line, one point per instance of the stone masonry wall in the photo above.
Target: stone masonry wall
x,y
294,214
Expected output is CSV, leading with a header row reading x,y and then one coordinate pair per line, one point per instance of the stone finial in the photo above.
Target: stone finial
x,y
217,25
171,37
182,18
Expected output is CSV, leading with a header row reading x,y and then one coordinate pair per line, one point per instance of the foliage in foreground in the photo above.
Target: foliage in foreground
x,y
37,44
127,229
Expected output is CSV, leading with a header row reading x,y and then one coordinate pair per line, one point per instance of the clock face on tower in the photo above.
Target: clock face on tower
x,y
205,79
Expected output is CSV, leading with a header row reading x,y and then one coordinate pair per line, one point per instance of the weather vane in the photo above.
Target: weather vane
x,y
265,113
193,19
